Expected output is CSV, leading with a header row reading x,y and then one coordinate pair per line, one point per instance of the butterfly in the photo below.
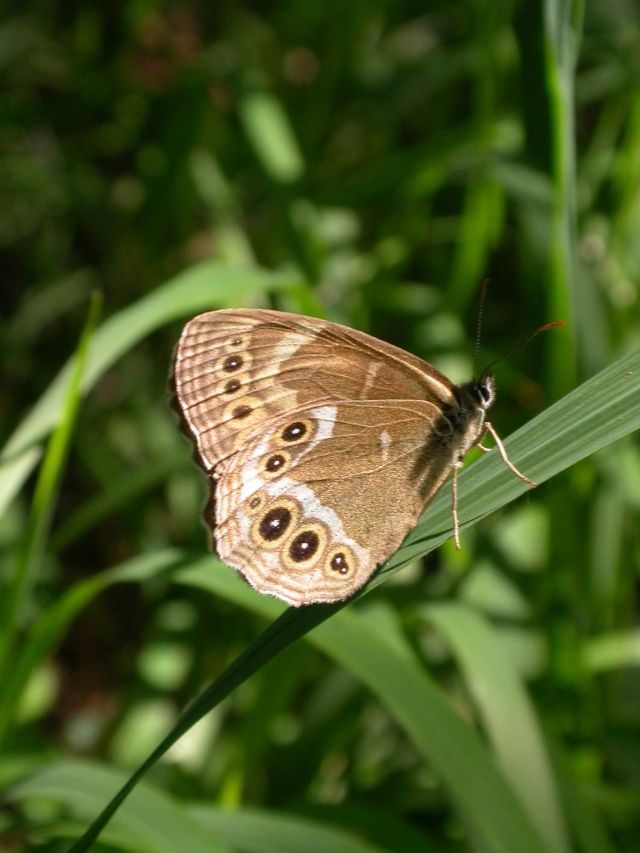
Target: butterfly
x,y
322,445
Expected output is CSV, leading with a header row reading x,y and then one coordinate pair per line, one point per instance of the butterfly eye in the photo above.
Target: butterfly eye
x,y
236,341
339,563
274,523
245,410
233,362
304,547
255,503
271,526
241,411
275,463
296,431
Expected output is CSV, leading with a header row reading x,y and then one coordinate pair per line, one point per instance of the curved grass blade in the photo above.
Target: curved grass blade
x,y
372,648
288,628
598,412
507,712
259,831
613,650
271,135
16,591
153,821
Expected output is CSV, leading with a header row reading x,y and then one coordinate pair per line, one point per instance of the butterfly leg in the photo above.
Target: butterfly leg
x,y
503,454
454,505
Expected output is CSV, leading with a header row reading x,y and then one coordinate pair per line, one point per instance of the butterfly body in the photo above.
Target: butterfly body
x,y
322,445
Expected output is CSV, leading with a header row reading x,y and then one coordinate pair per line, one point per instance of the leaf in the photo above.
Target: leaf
x,y
151,822
507,713
15,592
271,135
613,650
259,831
591,417
155,822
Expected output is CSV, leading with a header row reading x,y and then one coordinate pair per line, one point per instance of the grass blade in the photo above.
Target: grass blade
x,y
613,650
562,22
393,674
17,590
595,414
153,821
271,136
507,713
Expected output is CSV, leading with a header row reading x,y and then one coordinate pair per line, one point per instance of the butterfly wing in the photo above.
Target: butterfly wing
x,y
322,444
307,509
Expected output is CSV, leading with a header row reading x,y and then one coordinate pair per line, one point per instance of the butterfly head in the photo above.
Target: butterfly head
x,y
468,419
482,391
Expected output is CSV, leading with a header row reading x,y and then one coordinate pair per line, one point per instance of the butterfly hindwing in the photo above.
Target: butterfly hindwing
x,y
309,508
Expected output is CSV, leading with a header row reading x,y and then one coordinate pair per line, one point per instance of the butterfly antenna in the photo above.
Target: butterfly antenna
x,y
476,349
523,343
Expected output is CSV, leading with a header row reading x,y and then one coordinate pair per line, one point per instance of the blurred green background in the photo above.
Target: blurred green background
x,y
372,163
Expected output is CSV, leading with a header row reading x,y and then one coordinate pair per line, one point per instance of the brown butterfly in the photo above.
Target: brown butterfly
x,y
322,445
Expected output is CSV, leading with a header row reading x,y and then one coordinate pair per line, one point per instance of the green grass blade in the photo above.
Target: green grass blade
x,y
288,628
581,807
260,831
562,23
153,821
507,713
447,742
613,650
480,227
595,414
270,133
347,645
208,285
381,659
16,592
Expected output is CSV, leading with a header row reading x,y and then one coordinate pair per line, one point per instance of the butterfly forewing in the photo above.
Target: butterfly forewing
x,y
235,369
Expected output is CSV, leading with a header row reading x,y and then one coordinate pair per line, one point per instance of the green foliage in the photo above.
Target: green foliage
x,y
371,163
